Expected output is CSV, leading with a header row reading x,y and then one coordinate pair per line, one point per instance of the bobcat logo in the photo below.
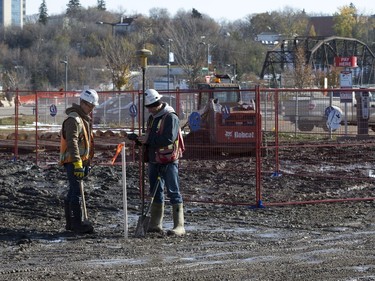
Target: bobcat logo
x,y
228,134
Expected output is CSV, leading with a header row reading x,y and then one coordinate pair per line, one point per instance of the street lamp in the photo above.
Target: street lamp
x,y
208,54
114,24
143,54
233,69
66,76
208,58
108,23
170,59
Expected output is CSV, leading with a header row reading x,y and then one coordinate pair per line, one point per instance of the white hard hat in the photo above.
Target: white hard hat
x,y
152,96
91,96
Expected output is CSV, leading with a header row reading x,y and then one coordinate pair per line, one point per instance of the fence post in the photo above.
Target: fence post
x,y
258,148
16,120
276,131
36,128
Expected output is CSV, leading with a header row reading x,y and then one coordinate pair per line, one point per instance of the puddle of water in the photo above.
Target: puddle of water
x,y
51,243
337,229
117,261
114,246
213,229
271,235
192,260
347,237
310,256
208,259
260,258
58,240
360,268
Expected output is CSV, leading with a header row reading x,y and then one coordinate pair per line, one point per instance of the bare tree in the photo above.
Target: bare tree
x,y
191,37
119,55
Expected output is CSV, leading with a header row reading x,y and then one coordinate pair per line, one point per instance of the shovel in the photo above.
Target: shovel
x,y
144,219
84,210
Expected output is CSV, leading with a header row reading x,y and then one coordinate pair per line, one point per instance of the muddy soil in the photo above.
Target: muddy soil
x,y
327,241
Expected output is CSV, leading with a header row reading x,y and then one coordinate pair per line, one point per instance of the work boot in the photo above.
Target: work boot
x,y
68,215
178,220
78,226
156,220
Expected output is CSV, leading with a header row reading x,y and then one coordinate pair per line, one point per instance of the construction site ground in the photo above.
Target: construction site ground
x,y
325,241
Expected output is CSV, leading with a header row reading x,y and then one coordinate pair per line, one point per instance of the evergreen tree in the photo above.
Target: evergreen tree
x,y
101,5
74,6
43,15
195,14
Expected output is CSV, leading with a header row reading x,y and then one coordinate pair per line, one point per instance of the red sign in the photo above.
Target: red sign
x,y
346,61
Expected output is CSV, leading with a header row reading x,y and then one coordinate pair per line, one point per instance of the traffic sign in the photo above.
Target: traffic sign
x,y
346,97
133,110
346,79
53,110
194,121
334,119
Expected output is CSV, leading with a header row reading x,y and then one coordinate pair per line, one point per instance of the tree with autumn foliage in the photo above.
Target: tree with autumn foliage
x,y
303,74
119,56
349,23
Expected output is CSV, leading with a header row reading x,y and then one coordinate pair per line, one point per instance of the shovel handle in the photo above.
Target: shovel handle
x,y
153,195
83,200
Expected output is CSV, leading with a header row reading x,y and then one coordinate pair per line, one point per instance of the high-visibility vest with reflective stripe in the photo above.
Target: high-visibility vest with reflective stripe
x,y
169,153
83,146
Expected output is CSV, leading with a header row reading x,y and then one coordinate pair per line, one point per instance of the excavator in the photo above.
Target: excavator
x,y
224,124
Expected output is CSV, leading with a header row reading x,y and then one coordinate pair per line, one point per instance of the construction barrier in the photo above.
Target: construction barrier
x,y
318,148
275,147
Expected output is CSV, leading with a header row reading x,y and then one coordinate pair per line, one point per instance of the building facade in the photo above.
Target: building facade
x,y
12,12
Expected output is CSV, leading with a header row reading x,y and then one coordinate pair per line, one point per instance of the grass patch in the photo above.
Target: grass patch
x,y
299,137
22,120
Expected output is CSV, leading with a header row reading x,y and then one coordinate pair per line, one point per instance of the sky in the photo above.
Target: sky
x,y
231,10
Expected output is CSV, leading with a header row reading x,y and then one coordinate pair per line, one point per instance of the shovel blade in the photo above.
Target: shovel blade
x,y
142,226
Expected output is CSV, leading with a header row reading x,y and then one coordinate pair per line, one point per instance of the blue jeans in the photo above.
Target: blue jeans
x,y
168,178
74,192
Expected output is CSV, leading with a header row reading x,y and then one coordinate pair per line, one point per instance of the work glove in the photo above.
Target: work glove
x,y
134,137
79,172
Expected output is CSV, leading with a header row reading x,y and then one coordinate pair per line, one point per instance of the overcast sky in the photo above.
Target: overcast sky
x,y
230,10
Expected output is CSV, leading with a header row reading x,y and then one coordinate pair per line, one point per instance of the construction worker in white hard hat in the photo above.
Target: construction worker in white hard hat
x,y
76,152
164,143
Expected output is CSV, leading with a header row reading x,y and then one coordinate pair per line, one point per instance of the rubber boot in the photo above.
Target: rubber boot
x,y
68,215
178,220
78,226
156,220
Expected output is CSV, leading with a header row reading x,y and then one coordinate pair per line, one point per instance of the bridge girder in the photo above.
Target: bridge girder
x,y
320,53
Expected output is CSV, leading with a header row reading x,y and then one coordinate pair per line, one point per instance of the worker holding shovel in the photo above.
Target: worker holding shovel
x,y
165,145
76,152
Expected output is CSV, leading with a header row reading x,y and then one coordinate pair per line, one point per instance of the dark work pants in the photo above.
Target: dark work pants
x,y
74,192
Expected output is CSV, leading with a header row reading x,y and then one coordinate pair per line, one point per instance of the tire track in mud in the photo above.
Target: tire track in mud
x,y
228,254
307,242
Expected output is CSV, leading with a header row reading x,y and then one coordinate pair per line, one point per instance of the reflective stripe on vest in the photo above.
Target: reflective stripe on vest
x,y
159,129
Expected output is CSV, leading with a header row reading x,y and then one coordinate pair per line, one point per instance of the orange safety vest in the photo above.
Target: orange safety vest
x,y
84,146
171,152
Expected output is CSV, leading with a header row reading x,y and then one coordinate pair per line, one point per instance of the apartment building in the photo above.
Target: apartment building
x,y
12,12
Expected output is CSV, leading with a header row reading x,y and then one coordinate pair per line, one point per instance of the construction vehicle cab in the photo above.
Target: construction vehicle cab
x,y
222,91
223,122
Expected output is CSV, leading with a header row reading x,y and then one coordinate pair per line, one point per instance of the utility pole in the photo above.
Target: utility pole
x,y
66,76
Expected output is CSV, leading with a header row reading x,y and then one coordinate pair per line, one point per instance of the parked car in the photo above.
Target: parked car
x,y
123,110
311,111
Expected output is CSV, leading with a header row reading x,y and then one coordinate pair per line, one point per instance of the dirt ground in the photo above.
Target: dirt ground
x,y
333,241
